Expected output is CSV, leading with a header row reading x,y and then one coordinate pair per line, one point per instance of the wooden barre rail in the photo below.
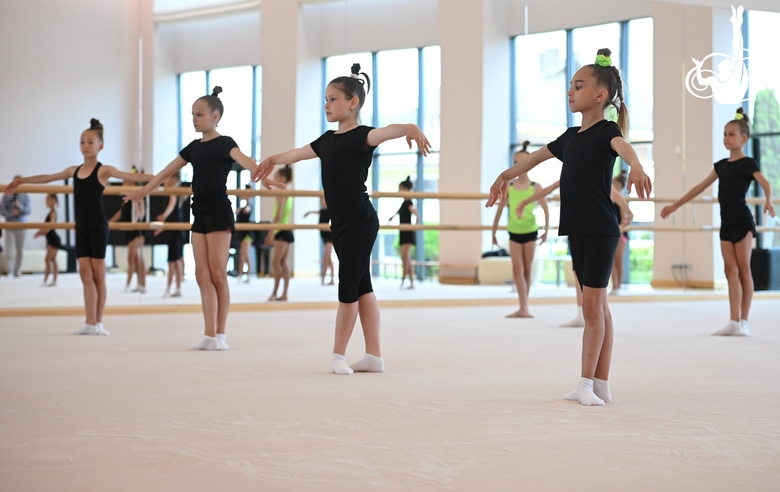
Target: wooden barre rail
x,y
256,226
186,191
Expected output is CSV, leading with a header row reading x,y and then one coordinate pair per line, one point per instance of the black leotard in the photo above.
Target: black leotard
x,y
88,201
52,238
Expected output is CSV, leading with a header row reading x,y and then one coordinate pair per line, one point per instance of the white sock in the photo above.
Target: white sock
x,y
101,330
222,342
176,294
600,388
744,328
86,330
339,365
585,393
577,322
208,343
369,363
731,330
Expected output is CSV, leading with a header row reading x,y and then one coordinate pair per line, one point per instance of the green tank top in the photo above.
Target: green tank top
x,y
285,217
527,223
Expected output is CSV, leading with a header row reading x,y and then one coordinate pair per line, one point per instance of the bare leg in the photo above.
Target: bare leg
x,y
99,276
518,274
171,268
345,323
179,267
90,290
368,308
140,271
276,266
132,255
219,250
605,357
743,250
593,310
328,261
529,251
731,267
285,269
55,268
406,257
47,261
208,294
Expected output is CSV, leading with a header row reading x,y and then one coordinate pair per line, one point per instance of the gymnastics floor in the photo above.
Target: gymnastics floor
x,y
470,401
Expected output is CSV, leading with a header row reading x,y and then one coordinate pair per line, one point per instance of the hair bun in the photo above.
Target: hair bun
x,y
95,124
217,90
742,115
604,51
355,69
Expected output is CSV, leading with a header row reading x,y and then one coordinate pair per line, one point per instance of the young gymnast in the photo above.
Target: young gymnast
x,y
173,214
406,239
135,243
624,214
89,181
243,216
281,239
619,183
327,242
588,153
346,155
737,228
212,158
523,233
53,243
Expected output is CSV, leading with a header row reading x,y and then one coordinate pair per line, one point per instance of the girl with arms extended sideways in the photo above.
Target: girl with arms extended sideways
x,y
212,157
588,154
53,243
737,228
346,155
406,239
89,181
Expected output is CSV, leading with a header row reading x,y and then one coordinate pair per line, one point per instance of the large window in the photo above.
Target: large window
x,y
543,66
764,105
406,86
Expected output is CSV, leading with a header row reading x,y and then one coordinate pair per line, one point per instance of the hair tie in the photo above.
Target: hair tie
x,y
603,61
738,116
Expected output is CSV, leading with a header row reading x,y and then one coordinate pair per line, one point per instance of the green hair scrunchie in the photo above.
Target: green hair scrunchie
x,y
603,61
738,116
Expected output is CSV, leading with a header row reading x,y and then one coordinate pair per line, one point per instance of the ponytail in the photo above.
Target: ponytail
x,y
354,85
608,76
407,183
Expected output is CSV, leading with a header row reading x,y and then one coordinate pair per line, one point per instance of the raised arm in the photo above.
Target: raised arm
x,y
391,132
67,173
523,165
264,169
768,207
175,165
637,176
692,193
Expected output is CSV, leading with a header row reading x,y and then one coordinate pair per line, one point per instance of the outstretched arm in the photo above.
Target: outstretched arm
x,y
693,193
523,165
311,212
264,169
112,172
40,179
768,207
390,132
540,195
499,209
637,176
157,180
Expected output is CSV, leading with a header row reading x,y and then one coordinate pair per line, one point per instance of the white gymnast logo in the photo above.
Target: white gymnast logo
x,y
730,84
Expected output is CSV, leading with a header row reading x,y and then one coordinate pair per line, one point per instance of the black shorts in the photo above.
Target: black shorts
x,y
592,257
523,238
53,240
286,236
407,237
737,234
175,246
327,236
353,248
131,235
92,244
213,220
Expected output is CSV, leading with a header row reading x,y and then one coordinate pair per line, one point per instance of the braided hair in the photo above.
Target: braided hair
x,y
609,77
354,86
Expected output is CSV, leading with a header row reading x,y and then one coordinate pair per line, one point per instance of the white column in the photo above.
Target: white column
x,y
474,121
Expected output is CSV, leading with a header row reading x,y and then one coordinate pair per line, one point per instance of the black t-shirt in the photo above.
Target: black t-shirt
x,y
733,182
586,180
211,163
404,214
346,158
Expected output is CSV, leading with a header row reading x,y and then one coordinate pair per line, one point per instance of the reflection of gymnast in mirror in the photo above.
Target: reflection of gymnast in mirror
x,y
731,83
327,242
243,215
281,239
135,243
619,183
406,239
173,213
53,243
625,215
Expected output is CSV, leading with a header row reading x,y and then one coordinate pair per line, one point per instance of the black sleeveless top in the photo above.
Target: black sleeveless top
x,y
88,201
242,217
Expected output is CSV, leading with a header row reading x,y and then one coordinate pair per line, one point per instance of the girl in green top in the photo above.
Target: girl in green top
x,y
523,233
281,238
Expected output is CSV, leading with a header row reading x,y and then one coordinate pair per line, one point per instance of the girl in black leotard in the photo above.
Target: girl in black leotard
x,y
89,180
406,239
327,242
135,243
618,183
243,215
172,213
53,243
345,157
212,158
